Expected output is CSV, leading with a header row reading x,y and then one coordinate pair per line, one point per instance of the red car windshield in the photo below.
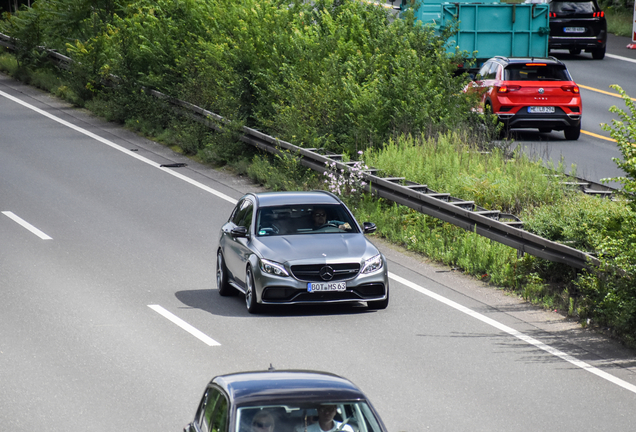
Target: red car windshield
x,y
536,72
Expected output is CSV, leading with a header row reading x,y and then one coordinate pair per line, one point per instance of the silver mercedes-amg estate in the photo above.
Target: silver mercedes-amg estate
x,y
299,248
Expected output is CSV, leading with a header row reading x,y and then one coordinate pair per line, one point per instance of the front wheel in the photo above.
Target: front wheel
x,y
572,133
250,293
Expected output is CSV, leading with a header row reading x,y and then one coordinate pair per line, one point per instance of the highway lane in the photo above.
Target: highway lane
x,y
592,153
82,350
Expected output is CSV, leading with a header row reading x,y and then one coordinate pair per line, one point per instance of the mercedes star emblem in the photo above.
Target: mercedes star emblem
x,y
326,273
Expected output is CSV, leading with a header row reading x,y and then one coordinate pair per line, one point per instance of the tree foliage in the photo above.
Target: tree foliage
x,y
623,130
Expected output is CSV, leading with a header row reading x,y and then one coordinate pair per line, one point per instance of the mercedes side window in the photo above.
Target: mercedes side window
x,y
246,214
243,213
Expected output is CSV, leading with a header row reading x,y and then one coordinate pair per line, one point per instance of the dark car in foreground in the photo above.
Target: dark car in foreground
x,y
283,401
282,248
578,25
536,93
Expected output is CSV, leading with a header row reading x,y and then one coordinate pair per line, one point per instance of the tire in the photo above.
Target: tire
x,y
572,133
250,294
598,54
545,130
380,304
222,277
575,51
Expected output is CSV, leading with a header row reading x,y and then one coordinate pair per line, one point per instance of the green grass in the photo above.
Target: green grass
x,y
619,21
451,163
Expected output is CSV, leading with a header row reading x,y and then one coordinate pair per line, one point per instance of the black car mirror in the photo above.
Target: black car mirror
x,y
239,231
369,227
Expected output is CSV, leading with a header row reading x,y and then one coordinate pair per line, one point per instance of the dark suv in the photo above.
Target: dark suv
x,y
578,25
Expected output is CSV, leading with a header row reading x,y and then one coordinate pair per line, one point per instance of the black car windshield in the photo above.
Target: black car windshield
x,y
572,7
346,417
304,219
536,72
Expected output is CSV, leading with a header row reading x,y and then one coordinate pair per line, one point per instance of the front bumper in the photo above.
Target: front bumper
x,y
279,290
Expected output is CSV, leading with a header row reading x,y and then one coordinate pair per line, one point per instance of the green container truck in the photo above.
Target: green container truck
x,y
488,28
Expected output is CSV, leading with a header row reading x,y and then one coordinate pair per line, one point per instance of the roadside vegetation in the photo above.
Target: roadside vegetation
x,y
619,15
341,76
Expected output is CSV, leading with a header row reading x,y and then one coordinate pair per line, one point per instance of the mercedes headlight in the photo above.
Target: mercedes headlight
x,y
373,264
273,268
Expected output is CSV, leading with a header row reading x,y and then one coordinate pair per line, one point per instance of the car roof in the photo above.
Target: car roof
x,y
267,199
521,60
287,386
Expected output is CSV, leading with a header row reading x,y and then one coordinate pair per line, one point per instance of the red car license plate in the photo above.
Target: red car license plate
x,y
541,109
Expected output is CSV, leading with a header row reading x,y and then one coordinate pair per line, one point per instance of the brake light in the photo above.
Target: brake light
x,y
571,88
508,89
600,14
552,14
536,64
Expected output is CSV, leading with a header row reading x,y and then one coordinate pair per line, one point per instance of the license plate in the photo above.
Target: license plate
x,y
540,109
574,30
326,286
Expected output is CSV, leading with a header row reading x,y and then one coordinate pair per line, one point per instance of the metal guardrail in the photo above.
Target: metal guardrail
x,y
60,60
500,227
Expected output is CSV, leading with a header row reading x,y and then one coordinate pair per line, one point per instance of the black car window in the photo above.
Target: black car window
x,y
572,7
536,72
215,412
243,213
299,219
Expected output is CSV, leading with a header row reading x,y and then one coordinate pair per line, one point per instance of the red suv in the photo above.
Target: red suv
x,y
530,93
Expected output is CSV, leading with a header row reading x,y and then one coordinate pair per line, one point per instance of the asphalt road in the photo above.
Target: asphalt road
x,y
110,319
592,153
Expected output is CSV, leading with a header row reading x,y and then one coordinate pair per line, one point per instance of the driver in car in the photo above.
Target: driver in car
x,y
319,220
326,422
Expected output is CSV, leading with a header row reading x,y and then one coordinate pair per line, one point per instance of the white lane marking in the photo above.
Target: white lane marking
x,y
528,339
26,225
431,294
617,57
120,148
184,325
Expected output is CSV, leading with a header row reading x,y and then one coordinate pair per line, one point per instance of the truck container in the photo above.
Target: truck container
x,y
486,29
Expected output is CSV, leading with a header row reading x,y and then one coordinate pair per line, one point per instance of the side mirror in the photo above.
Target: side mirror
x,y
369,227
239,231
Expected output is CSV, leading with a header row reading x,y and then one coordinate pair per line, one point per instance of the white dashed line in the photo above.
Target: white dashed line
x,y
26,225
184,325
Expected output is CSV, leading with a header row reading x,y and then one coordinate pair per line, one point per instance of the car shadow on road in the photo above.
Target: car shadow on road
x,y
210,301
